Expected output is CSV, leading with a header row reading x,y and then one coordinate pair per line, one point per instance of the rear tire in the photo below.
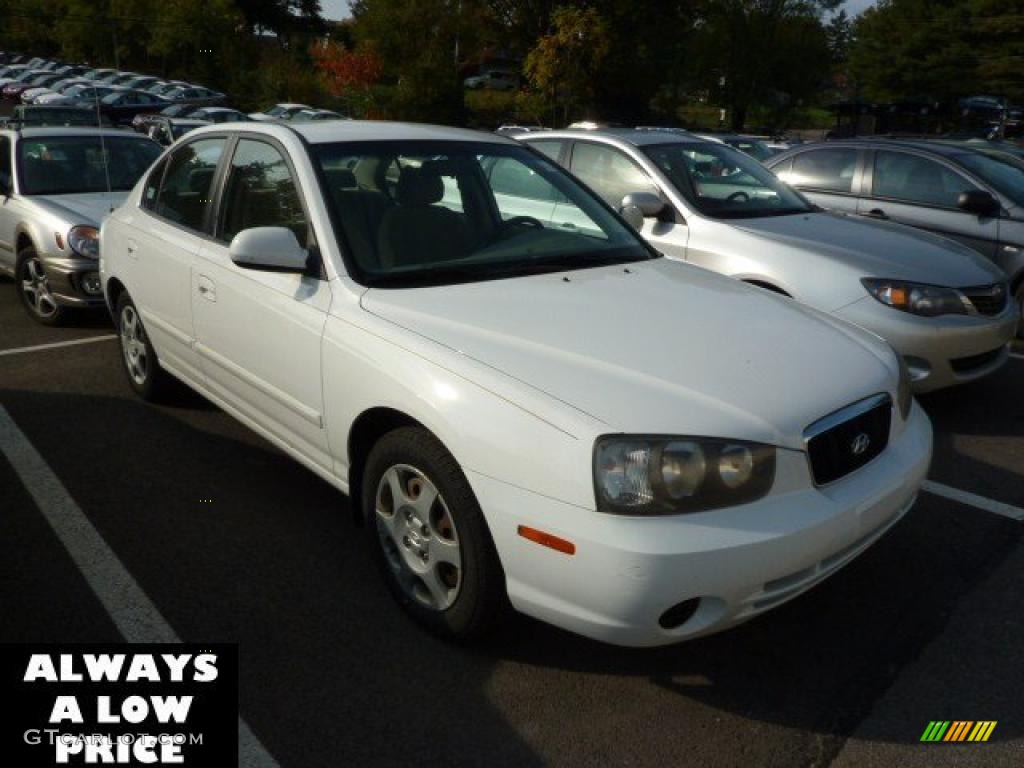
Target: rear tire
x,y
430,538
140,362
33,288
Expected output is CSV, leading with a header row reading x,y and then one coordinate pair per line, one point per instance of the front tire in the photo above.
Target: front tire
x,y
430,538
33,287
141,365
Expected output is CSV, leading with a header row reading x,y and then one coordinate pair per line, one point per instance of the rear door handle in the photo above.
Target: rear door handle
x,y
877,213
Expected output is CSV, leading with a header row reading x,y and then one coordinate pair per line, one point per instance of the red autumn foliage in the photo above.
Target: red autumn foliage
x,y
346,69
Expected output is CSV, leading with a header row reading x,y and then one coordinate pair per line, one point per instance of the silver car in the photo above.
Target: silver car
x,y
944,307
56,185
973,193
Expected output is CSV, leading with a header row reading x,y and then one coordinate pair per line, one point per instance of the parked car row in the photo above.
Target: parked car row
x,y
628,381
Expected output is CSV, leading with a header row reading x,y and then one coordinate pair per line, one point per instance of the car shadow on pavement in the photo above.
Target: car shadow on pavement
x,y
235,542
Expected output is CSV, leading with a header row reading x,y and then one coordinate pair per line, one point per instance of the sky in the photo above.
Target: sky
x,y
338,9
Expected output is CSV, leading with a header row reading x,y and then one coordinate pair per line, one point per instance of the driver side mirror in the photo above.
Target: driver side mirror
x,y
271,248
637,206
978,201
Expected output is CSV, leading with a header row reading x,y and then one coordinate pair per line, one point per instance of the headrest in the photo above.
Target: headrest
x,y
199,179
419,186
342,178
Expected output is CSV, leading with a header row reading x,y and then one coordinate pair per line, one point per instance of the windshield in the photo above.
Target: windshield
x,y
723,183
1003,172
421,213
55,165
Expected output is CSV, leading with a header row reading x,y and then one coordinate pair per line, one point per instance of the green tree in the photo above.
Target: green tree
x,y
998,35
564,63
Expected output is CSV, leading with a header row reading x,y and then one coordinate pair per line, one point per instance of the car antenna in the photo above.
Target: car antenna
x,y
103,148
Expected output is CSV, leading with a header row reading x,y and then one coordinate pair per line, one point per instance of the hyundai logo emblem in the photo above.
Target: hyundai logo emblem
x,y
860,444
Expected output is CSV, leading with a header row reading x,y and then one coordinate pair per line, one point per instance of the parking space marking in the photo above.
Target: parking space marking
x,y
1017,355
57,344
974,500
134,614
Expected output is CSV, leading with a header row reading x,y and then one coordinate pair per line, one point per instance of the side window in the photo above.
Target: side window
x,y
152,188
511,177
260,192
184,195
909,177
830,170
609,172
6,178
551,147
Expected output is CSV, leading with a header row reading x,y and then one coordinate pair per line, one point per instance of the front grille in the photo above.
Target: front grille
x,y
987,299
846,440
974,362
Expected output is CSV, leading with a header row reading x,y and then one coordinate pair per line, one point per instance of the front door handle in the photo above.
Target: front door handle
x,y
877,213
132,248
206,288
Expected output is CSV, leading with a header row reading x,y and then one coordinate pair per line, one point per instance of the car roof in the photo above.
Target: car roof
x,y
328,131
638,137
75,130
935,146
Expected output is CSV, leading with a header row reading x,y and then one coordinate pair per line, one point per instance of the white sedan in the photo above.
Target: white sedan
x,y
628,447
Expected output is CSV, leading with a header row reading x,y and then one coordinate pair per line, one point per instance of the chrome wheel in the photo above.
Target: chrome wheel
x,y
35,286
133,345
418,536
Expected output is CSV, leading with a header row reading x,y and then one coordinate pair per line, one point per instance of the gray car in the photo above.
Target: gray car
x,y
971,194
944,307
56,185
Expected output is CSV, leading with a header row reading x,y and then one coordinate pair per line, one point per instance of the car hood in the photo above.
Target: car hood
x,y
655,347
877,248
89,208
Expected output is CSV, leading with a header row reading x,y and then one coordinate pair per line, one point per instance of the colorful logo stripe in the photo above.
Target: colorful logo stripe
x,y
958,730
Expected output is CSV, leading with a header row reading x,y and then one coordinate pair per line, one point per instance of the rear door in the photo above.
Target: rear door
x,y
7,217
916,189
829,176
163,243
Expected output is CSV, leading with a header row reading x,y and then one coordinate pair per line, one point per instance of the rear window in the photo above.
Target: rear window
x,y
55,165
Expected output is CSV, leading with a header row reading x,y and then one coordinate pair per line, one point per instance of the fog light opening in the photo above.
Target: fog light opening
x,y
91,283
919,367
679,614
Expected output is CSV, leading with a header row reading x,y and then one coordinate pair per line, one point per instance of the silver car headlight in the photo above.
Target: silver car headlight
x,y
665,475
85,241
916,298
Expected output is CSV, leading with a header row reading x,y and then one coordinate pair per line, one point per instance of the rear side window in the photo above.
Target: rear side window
x,y
831,170
261,192
184,194
917,179
152,188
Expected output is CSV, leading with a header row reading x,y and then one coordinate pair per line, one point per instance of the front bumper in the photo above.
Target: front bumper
x,y
74,281
940,351
628,571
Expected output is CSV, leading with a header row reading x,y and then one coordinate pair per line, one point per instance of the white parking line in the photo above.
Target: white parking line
x,y
1017,355
134,614
974,500
58,344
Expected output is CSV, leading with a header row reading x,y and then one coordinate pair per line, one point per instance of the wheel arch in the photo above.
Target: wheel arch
x,y
112,292
366,430
768,286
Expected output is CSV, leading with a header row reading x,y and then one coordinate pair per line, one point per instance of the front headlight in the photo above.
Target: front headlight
x,y
658,475
85,241
916,298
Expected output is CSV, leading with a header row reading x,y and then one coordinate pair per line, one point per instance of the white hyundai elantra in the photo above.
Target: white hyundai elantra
x,y
632,448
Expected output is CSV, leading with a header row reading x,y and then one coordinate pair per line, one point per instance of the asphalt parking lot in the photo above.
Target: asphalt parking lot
x,y
227,540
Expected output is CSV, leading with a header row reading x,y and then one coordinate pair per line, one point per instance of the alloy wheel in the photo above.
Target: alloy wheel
x,y
418,536
35,286
133,344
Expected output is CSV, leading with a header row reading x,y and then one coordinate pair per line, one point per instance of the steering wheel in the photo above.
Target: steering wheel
x,y
527,220
738,197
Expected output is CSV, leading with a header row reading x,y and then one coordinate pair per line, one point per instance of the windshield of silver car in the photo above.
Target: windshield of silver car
x,y
724,183
65,165
416,213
